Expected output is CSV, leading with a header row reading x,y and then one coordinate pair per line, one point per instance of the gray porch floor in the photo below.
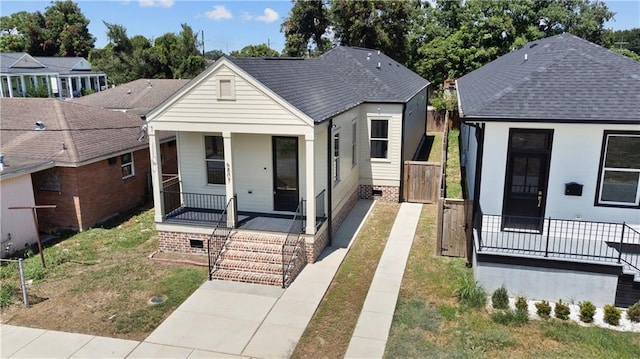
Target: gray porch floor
x,y
268,222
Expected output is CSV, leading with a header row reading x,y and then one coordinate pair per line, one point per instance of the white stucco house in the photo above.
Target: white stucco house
x,y
17,226
551,150
261,140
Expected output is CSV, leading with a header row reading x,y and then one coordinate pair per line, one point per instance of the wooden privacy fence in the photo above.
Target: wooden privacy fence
x,y
422,181
454,227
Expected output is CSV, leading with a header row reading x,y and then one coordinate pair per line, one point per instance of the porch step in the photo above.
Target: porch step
x,y
248,277
628,291
252,257
251,266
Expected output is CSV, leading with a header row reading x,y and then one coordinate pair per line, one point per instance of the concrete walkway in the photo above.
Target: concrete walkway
x,y
219,320
372,330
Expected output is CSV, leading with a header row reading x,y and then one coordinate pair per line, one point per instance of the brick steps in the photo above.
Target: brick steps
x,y
249,266
248,277
252,258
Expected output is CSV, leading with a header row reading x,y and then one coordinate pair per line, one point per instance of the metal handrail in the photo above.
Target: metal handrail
x,y
221,230
292,239
563,238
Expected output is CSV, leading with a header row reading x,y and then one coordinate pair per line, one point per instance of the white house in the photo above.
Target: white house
x,y
270,138
18,229
62,77
551,149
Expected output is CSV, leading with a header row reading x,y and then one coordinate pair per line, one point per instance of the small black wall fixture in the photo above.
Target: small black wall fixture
x,y
572,189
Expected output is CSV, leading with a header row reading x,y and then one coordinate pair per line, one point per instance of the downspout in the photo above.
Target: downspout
x,y
477,181
403,128
329,184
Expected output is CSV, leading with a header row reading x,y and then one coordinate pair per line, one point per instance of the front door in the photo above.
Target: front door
x,y
527,173
285,173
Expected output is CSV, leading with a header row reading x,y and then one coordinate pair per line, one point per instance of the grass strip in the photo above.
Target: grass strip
x,y
453,172
330,330
430,323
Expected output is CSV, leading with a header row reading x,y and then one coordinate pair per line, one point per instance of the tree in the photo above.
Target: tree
x,y
213,55
457,37
375,24
66,30
261,50
625,39
61,31
170,56
305,27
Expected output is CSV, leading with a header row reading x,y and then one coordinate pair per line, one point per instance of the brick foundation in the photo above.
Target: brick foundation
x,y
178,242
389,193
322,238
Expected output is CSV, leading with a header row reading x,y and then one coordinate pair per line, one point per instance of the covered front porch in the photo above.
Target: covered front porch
x,y
208,210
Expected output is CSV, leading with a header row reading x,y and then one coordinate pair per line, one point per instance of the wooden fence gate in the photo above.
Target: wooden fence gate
x,y
422,181
454,227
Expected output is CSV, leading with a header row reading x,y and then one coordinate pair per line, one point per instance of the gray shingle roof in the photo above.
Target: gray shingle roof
x,y
338,80
560,78
88,133
135,96
59,65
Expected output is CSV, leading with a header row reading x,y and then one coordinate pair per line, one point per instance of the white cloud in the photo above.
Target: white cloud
x,y
156,3
268,16
219,12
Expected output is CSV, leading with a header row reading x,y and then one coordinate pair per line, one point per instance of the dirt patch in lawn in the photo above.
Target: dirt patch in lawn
x,y
100,281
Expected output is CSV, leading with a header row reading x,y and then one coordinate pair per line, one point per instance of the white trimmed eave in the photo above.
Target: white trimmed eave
x,y
161,109
32,58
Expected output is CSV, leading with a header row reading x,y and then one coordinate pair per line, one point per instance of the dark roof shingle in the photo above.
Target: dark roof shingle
x,y
340,79
559,78
74,133
138,96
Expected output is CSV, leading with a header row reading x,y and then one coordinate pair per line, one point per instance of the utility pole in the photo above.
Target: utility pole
x,y
202,43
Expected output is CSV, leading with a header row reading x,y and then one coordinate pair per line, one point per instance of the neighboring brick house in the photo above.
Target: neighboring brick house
x,y
101,159
139,97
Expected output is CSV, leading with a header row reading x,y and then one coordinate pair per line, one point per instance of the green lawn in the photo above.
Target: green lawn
x,y
430,323
99,282
453,174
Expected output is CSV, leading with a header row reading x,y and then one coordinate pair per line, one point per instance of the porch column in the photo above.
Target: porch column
x,y
69,87
23,86
310,185
59,82
156,175
10,83
228,170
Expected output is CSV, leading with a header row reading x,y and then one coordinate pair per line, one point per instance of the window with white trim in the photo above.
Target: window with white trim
x,y
226,88
619,181
126,165
214,158
379,138
336,157
354,139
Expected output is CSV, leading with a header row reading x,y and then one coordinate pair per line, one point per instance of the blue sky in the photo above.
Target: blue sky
x,y
227,25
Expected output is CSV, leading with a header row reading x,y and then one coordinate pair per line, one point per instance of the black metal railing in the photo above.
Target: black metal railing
x,y
291,245
220,235
171,192
560,238
201,204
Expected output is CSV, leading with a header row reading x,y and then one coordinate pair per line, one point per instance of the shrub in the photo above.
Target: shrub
x,y
522,304
510,317
7,291
633,313
500,298
612,314
587,311
469,292
543,309
562,311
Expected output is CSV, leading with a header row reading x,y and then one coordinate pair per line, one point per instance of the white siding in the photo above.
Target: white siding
x,y
320,148
415,124
17,191
575,157
469,154
380,171
349,174
252,111
191,163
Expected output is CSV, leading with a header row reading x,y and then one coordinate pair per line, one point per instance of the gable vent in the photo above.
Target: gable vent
x,y
225,88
